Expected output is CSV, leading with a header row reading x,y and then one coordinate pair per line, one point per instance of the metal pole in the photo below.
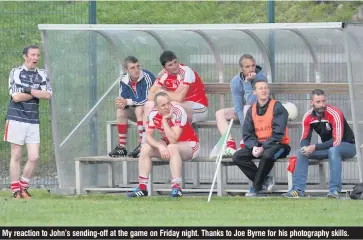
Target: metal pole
x,y
271,40
353,103
92,75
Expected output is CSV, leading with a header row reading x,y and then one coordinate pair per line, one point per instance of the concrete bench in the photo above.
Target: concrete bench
x,y
221,180
222,89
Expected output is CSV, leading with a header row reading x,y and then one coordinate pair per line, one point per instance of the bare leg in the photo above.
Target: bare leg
x,y
122,115
179,152
16,151
139,114
33,159
222,118
145,162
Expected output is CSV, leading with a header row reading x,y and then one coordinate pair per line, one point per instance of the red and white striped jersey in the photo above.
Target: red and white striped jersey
x,y
185,76
178,118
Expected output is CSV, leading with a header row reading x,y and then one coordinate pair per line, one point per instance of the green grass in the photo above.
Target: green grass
x,y
19,28
115,210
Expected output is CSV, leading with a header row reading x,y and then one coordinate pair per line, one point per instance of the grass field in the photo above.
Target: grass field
x,y
116,210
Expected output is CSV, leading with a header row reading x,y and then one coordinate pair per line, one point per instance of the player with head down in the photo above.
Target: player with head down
x,y
179,143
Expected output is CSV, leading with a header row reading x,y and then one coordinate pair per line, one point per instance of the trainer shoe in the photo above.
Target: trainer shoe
x,y
333,194
136,152
137,193
268,184
118,152
25,194
17,195
228,152
294,193
251,193
176,192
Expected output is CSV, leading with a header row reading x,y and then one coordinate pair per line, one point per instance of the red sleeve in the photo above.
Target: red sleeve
x,y
335,116
306,125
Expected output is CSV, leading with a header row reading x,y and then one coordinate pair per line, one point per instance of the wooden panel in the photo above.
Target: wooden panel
x,y
286,88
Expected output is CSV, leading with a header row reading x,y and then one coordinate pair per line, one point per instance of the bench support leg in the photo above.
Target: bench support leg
x,y
220,185
322,176
78,169
110,175
125,179
196,175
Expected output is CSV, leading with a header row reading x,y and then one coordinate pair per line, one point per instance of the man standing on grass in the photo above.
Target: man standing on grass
x,y
242,97
338,143
134,90
27,84
265,137
179,143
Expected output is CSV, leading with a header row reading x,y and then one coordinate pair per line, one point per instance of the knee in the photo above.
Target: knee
x,y
220,114
145,150
139,111
121,113
33,158
16,155
333,151
173,149
236,156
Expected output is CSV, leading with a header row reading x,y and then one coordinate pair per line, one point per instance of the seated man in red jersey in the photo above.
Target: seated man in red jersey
x,y
184,87
179,143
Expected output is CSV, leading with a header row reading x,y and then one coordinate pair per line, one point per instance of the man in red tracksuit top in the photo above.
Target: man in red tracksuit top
x,y
338,143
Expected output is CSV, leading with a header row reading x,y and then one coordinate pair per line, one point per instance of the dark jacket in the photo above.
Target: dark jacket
x,y
143,85
279,124
332,128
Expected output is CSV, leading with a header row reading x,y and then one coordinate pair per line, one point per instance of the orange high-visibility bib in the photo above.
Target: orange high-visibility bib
x,y
263,124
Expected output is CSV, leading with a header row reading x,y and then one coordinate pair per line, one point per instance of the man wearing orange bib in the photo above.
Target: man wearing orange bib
x,y
265,137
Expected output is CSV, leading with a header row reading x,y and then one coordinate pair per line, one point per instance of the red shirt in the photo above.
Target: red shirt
x,y
133,85
185,76
178,118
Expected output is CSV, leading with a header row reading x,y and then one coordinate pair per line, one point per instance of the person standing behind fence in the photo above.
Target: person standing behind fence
x,y
338,143
242,97
134,90
27,84
265,137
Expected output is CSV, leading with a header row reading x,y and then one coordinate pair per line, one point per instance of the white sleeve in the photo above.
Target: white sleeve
x,y
14,88
160,79
189,75
45,84
180,116
150,120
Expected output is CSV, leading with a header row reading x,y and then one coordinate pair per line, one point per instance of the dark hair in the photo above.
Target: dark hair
x,y
130,59
257,81
27,48
160,94
245,56
167,56
317,92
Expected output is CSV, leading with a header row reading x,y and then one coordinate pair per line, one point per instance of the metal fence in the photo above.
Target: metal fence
x,y
18,21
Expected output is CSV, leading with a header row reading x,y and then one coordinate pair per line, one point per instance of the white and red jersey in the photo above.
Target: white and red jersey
x,y
178,118
185,76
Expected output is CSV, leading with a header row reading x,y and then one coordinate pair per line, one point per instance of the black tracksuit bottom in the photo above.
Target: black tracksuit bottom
x,y
243,159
